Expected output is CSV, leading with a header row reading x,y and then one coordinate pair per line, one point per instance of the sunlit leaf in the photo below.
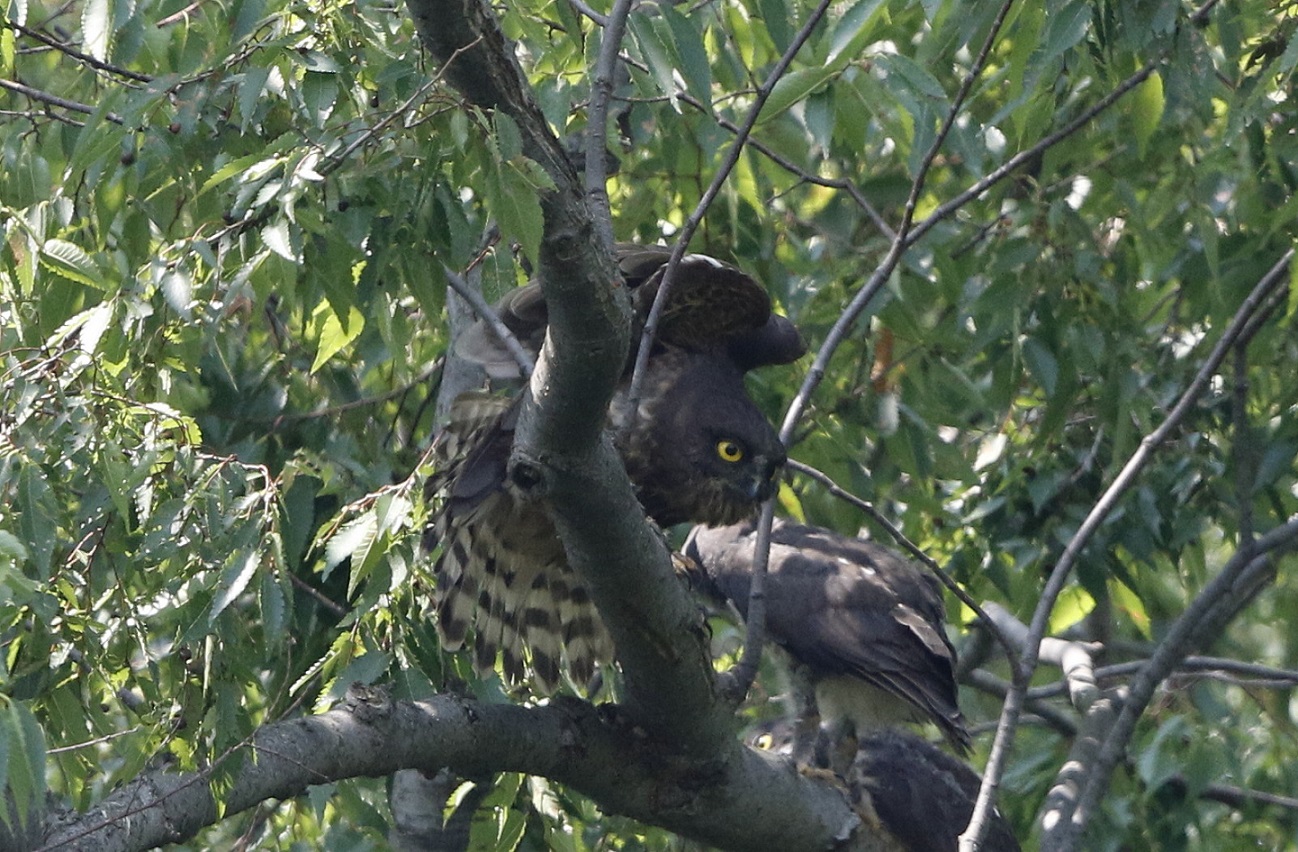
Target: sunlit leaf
x,y
1147,109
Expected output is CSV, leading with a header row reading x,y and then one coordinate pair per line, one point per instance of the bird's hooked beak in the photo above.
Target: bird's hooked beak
x,y
760,488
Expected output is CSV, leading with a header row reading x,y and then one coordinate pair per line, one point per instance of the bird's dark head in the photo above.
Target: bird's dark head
x,y
700,449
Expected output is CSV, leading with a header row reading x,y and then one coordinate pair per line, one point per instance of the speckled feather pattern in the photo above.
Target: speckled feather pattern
x,y
503,583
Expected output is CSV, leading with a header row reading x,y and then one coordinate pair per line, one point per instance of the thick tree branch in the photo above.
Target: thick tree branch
x,y
561,453
749,800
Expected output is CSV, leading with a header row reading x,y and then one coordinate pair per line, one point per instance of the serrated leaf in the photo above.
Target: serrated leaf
x,y
68,260
353,538
693,67
508,141
252,88
273,607
254,166
332,334
852,31
278,237
25,773
237,573
97,28
656,53
793,87
517,208
17,14
1147,110
37,510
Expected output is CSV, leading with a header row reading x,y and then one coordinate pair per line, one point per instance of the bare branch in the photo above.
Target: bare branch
x,y
55,100
487,315
1074,658
601,90
69,50
754,801
1256,300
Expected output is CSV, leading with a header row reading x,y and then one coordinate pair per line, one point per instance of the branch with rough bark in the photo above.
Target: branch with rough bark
x,y
751,801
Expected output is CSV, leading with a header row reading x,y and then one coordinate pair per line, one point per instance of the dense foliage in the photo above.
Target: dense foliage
x,y
222,322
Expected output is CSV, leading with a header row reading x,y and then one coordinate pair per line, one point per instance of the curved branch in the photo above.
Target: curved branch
x,y
751,800
561,453
1214,606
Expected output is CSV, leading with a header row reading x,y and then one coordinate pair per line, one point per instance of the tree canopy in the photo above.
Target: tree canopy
x,y
1042,257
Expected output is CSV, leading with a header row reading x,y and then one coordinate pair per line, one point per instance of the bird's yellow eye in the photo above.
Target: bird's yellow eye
x,y
729,451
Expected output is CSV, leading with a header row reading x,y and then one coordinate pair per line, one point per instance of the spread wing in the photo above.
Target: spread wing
x,y
711,306
501,571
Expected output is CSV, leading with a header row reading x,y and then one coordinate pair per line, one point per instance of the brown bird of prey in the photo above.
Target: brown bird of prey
x,y
920,794
864,624
696,448
914,790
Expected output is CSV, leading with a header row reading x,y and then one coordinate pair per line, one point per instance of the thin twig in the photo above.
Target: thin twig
x,y
601,20
55,100
487,315
67,49
338,159
709,195
1233,672
601,89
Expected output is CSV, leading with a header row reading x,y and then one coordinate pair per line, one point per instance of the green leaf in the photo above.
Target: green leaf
x,y
273,607
775,14
508,140
97,28
252,165
515,204
656,52
793,87
68,260
694,67
1041,361
1147,110
852,32
37,517
332,334
17,15
319,94
237,573
354,538
25,775
1064,29
7,48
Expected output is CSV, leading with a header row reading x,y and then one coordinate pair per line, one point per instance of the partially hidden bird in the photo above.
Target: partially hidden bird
x,y
695,445
864,625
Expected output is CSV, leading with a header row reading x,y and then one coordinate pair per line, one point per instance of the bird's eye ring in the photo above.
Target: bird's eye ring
x,y
729,451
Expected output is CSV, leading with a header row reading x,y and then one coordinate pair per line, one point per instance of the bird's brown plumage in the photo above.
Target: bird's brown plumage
x,y
501,573
864,622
